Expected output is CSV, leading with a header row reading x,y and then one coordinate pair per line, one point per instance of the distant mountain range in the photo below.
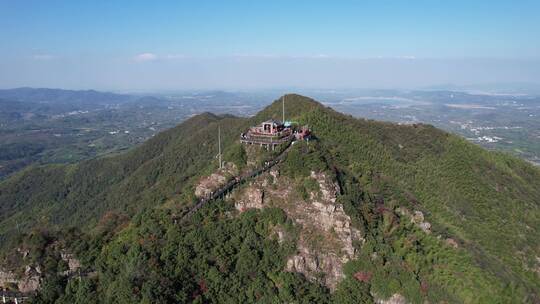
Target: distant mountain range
x,y
52,96
492,88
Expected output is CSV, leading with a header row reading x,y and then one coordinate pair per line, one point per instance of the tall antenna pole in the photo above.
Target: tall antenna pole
x,y
219,145
283,108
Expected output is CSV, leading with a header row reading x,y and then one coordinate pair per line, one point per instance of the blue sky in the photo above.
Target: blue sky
x,y
141,45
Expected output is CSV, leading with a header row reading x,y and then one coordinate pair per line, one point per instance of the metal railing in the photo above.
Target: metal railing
x,y
265,141
14,297
234,182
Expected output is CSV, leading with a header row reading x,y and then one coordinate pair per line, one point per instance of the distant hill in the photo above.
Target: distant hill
x,y
493,88
53,96
424,216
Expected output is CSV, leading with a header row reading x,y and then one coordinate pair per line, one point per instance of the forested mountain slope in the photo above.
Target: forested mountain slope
x,y
438,218
74,195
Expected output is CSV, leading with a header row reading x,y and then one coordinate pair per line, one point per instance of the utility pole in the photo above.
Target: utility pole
x,y
219,145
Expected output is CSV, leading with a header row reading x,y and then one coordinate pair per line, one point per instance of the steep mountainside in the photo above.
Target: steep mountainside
x,y
366,211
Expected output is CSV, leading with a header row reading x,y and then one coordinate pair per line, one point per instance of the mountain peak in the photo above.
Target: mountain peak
x,y
295,105
371,210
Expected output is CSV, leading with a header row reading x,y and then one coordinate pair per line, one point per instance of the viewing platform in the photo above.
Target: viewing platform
x,y
268,134
271,133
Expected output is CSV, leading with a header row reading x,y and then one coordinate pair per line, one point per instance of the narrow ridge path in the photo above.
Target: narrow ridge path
x,y
235,182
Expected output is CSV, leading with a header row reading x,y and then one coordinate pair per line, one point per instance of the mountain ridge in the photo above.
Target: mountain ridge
x,y
463,191
28,94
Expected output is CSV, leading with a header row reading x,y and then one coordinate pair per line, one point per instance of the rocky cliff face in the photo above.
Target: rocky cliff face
x,y
29,282
209,184
252,198
326,240
7,278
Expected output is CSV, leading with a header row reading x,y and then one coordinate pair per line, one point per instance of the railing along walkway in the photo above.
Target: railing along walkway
x,y
236,181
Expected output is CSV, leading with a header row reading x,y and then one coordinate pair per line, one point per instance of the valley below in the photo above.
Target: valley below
x,y
42,126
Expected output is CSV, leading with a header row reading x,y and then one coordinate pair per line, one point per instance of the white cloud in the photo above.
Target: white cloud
x,y
145,57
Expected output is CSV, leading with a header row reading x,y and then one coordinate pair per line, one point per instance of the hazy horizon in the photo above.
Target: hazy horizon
x,y
132,46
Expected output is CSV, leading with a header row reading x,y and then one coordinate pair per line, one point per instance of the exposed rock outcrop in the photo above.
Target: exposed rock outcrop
x,y
6,278
395,299
451,242
252,198
209,184
417,218
73,263
275,174
326,238
29,282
